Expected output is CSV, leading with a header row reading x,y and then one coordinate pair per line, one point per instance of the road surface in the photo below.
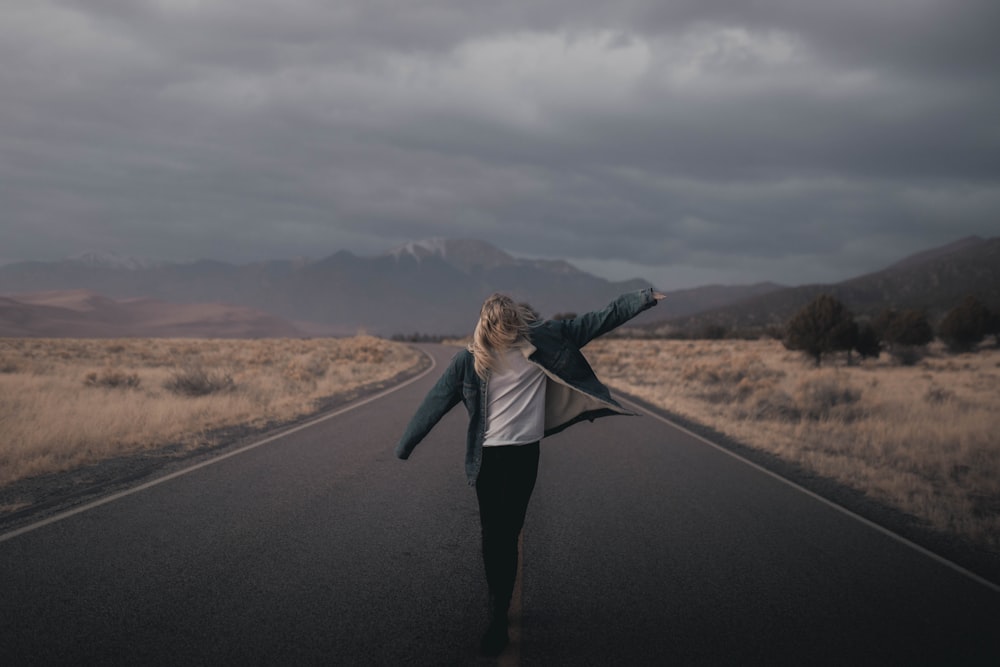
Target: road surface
x,y
643,546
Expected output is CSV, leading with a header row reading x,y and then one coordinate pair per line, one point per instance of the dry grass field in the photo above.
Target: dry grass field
x,y
925,439
68,402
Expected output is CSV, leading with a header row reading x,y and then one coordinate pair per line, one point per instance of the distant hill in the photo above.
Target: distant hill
x,y
84,314
934,281
682,303
434,286
437,286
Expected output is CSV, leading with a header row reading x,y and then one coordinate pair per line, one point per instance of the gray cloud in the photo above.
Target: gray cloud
x,y
687,142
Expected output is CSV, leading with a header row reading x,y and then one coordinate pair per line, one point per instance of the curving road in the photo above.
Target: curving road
x,y
643,546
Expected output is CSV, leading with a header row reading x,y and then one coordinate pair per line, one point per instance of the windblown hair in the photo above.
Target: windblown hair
x,y
502,324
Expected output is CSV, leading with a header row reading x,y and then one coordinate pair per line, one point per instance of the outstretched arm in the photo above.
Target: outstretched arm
x,y
589,326
443,396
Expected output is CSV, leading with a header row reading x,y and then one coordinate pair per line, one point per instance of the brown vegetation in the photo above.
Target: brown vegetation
x,y
67,402
921,438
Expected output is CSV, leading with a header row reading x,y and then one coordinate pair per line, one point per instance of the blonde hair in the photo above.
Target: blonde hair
x,y
502,323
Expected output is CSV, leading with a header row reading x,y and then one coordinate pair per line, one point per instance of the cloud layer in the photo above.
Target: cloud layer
x,y
688,142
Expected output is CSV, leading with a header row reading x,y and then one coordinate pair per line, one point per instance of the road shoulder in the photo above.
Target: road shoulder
x,y
956,549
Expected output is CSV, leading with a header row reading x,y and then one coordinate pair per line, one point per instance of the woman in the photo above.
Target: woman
x,y
520,380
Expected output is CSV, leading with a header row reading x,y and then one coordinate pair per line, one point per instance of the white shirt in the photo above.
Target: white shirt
x,y
515,408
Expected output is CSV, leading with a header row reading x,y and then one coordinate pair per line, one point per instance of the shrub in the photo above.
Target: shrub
x,y
824,397
823,326
965,325
774,331
868,344
712,332
112,379
750,368
907,355
905,333
775,405
199,382
306,369
938,395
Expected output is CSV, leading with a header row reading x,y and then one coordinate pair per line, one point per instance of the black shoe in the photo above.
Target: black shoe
x,y
496,639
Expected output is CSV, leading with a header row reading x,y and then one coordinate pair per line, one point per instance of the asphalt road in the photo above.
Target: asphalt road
x,y
643,546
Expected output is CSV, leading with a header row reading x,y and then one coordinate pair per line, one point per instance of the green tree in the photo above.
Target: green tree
x,y
905,333
868,344
966,325
822,326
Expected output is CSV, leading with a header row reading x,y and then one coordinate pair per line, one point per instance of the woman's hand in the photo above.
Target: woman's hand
x,y
659,296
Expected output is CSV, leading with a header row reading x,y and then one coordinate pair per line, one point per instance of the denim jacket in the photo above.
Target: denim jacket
x,y
573,392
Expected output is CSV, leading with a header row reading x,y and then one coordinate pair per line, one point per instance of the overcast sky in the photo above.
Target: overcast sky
x,y
686,142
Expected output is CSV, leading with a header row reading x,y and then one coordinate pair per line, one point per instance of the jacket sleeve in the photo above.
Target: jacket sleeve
x,y
589,326
443,396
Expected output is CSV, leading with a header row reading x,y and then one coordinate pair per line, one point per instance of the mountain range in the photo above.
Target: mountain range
x,y
430,287
433,286
933,281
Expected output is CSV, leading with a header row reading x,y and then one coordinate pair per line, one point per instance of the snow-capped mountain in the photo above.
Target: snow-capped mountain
x,y
470,255
464,254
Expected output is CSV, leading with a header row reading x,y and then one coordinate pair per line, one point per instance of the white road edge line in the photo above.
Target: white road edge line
x,y
871,524
160,480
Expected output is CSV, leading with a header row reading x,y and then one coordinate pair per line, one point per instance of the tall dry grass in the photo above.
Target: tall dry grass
x,y
925,439
67,402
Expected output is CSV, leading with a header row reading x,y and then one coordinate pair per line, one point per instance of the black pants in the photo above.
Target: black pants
x,y
504,487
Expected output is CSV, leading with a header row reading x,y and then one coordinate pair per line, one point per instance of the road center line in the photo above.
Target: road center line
x,y
160,480
843,510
